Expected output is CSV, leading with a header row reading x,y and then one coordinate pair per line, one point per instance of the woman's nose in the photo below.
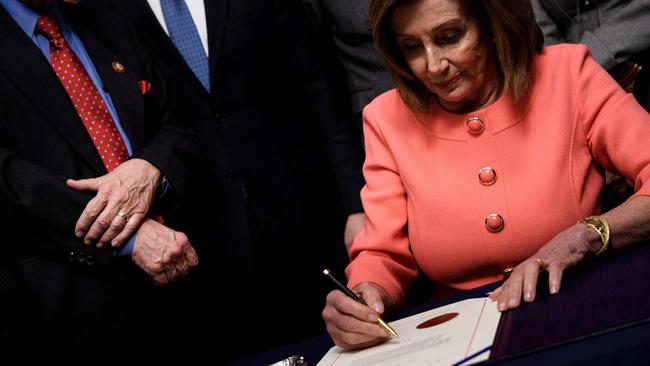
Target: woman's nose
x,y
436,64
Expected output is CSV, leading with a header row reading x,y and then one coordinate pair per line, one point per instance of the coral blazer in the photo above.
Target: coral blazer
x,y
428,207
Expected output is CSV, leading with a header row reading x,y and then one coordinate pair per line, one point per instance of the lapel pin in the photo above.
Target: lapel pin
x,y
118,67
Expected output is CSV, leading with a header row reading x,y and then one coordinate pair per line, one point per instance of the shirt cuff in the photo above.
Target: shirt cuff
x,y
125,250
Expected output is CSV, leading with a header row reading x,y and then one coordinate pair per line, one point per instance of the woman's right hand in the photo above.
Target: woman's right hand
x,y
353,325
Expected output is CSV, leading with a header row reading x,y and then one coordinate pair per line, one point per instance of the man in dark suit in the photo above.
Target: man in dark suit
x,y
615,31
270,131
345,29
75,88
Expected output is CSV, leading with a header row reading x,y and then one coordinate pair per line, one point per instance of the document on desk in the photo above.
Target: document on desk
x,y
442,336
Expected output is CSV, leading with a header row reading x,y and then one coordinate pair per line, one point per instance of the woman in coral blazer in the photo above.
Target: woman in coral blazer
x,y
486,157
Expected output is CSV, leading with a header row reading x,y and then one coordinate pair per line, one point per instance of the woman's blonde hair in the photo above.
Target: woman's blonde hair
x,y
515,33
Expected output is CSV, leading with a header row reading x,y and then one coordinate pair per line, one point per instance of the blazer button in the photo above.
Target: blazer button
x,y
90,260
475,126
506,272
494,223
81,257
72,256
487,176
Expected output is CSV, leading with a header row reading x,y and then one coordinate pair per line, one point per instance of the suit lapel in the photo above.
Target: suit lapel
x,y
33,76
139,12
215,12
121,86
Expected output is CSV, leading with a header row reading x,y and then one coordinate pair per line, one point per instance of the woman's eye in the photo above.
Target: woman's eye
x,y
448,37
410,46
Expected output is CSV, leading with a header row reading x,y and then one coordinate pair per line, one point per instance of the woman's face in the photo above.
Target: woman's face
x,y
446,50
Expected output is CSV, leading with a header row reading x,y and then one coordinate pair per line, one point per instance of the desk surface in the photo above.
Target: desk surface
x,y
600,316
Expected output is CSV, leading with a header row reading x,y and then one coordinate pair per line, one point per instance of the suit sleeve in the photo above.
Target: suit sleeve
x,y
333,116
170,145
41,210
622,35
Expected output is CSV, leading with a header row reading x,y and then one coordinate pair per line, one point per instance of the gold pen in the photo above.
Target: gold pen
x,y
356,298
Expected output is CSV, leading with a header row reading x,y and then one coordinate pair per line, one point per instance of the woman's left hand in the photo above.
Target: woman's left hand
x,y
564,251
123,199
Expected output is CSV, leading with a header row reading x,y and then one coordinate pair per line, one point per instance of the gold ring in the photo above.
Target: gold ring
x,y
541,262
122,215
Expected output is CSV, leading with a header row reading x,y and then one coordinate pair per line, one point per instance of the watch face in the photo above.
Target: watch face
x,y
597,222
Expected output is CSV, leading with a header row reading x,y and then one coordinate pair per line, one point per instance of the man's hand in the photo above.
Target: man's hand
x,y
353,227
123,199
164,254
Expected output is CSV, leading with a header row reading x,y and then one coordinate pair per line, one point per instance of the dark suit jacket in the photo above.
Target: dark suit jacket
x,y
70,293
345,27
615,31
271,131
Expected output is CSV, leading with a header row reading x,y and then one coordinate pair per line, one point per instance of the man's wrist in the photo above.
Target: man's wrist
x,y
125,250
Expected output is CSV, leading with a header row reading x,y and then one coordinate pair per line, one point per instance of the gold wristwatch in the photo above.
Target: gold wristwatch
x,y
602,227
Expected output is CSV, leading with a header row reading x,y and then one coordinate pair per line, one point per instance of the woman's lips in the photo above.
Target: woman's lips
x,y
448,83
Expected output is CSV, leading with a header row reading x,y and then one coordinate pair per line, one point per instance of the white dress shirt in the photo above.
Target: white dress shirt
x,y
197,10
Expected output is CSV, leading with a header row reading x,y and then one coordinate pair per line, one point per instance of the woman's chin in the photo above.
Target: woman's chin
x,y
450,100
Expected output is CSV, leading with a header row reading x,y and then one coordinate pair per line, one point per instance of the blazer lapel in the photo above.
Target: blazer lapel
x,y
33,76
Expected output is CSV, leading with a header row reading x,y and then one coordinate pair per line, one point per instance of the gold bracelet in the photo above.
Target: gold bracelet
x,y
602,227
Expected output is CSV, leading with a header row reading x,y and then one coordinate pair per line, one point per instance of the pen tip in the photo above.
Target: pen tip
x,y
326,271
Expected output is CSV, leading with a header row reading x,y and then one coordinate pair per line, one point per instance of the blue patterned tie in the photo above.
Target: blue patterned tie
x,y
183,33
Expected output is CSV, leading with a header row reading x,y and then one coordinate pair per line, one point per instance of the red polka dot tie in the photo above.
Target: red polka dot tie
x,y
84,96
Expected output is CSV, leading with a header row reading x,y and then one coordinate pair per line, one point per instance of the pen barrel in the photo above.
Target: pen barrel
x,y
358,299
345,289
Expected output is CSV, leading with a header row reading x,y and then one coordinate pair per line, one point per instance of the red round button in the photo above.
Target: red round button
x,y
487,176
494,223
475,126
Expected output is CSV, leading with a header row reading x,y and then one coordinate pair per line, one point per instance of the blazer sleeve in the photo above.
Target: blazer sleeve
x,y
42,210
381,253
333,116
616,127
